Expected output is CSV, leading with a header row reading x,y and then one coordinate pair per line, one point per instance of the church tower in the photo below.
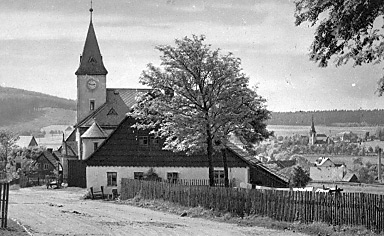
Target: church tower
x,y
91,76
312,133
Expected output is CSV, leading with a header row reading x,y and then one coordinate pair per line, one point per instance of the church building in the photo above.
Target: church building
x,y
316,138
99,109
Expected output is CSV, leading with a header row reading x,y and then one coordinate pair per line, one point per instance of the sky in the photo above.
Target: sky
x,y
41,42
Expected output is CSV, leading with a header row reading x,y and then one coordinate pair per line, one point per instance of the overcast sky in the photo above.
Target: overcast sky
x,y
41,41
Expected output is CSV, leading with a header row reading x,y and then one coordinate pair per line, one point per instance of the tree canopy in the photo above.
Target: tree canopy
x,y
7,139
199,98
346,30
300,177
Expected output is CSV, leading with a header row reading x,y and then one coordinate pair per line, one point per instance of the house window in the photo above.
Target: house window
x,y
95,145
91,105
143,140
138,175
111,178
37,165
46,166
219,176
154,142
172,177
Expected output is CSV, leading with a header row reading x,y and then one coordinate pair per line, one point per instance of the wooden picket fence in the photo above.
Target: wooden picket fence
x,y
4,195
354,209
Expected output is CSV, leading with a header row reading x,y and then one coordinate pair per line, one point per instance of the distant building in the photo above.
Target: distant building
x,y
325,170
26,142
47,164
315,138
347,137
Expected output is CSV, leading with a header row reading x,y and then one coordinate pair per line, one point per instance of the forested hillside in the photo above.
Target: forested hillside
x,y
330,118
19,106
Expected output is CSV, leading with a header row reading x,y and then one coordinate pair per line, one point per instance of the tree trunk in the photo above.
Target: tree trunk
x,y
209,154
225,164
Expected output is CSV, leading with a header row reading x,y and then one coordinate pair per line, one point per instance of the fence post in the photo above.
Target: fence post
x,y
4,195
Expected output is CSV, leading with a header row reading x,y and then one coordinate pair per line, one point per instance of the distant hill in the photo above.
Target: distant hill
x,y
22,110
329,118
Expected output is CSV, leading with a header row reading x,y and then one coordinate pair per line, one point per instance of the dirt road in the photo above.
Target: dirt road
x,y
62,212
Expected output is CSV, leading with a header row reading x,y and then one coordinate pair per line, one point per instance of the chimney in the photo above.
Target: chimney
x,y
379,166
50,150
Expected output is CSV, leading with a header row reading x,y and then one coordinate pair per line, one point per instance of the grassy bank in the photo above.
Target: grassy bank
x,y
13,229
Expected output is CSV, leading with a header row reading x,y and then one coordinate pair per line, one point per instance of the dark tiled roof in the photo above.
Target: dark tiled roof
x,y
91,61
241,153
122,149
120,100
128,95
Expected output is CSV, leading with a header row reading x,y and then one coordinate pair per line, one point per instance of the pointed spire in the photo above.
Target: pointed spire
x,y
312,127
91,10
91,61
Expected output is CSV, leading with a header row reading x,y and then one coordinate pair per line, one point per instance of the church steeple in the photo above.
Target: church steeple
x,y
312,130
91,61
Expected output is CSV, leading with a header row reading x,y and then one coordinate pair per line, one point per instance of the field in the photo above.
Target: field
x,y
290,130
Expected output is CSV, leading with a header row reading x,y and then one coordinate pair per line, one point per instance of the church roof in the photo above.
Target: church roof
x,y
91,61
119,103
95,131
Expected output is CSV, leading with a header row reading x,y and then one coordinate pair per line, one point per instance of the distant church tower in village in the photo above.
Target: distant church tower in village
x,y
312,133
91,76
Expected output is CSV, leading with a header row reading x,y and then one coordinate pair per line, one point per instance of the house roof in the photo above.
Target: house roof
x,y
284,163
322,160
349,177
91,61
26,141
321,135
50,157
118,103
69,148
95,131
253,161
121,148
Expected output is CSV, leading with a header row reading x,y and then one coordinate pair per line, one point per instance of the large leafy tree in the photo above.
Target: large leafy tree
x,y
199,98
346,30
7,140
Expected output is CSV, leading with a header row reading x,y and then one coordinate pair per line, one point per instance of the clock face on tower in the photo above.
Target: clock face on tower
x,y
91,83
